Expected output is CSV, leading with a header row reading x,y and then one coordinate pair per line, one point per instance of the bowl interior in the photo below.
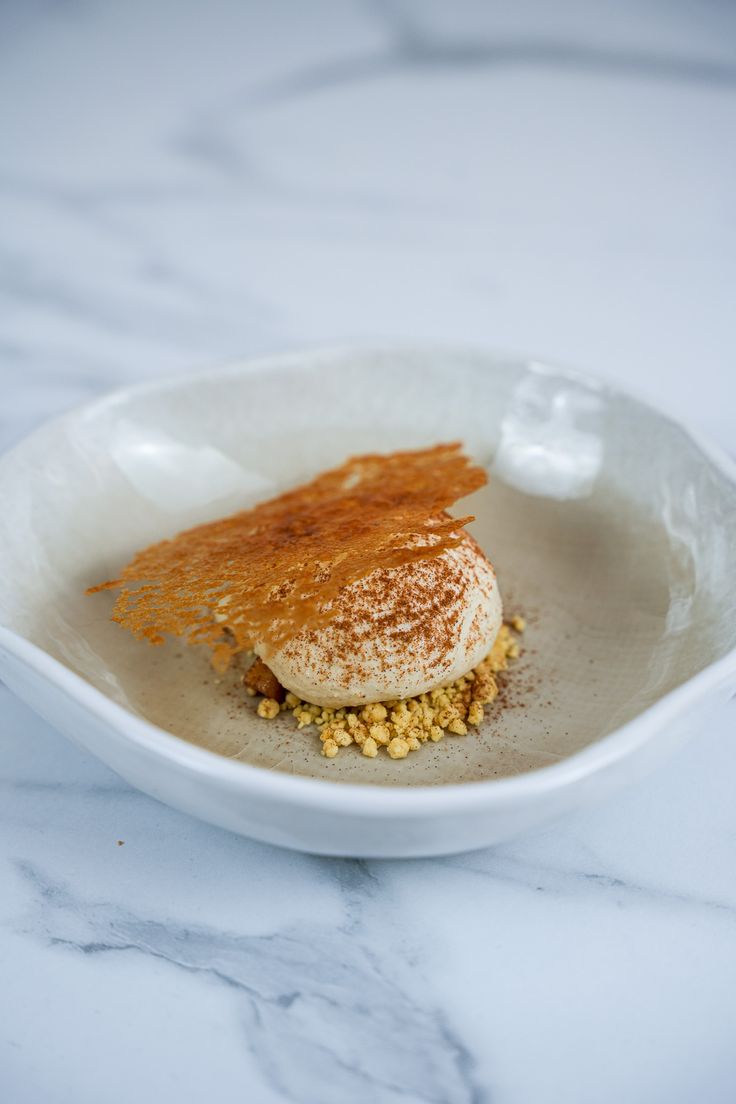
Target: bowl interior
x,y
611,532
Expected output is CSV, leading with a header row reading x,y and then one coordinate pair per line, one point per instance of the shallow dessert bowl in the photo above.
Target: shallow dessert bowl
x,y
612,529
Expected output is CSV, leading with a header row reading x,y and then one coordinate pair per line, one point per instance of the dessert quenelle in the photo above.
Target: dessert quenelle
x,y
357,592
396,633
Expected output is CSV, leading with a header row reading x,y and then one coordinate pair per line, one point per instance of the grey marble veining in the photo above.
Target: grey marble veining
x,y
180,184
299,988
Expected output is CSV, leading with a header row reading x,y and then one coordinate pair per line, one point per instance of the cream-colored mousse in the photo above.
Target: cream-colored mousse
x,y
398,632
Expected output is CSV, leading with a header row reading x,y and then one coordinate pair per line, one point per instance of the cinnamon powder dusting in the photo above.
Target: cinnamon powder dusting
x,y
261,575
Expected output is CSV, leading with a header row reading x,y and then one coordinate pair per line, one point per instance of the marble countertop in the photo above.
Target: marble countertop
x,y
181,183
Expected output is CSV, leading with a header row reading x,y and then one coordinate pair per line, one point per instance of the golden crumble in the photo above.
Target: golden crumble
x,y
398,748
401,727
268,708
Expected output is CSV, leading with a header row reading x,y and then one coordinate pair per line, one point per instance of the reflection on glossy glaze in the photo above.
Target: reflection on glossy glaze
x,y
550,442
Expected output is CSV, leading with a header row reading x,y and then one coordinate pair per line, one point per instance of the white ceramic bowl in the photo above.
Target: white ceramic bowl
x,y
611,527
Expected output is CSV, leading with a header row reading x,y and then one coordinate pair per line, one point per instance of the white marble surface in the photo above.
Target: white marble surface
x,y
182,182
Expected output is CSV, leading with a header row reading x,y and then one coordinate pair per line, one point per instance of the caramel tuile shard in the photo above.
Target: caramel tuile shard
x,y
259,576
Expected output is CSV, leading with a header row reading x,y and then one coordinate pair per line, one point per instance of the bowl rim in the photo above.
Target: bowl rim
x,y
370,799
